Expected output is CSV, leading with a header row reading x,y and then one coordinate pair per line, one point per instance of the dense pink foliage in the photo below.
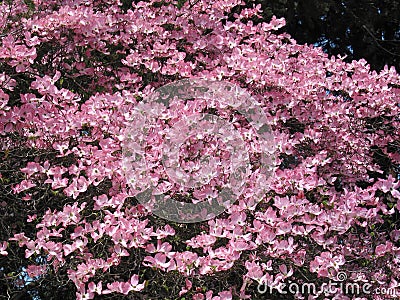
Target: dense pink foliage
x,y
70,74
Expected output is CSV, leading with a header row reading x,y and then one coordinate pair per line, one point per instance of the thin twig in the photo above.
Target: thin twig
x,y
377,41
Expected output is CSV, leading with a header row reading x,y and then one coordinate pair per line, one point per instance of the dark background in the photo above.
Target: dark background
x,y
357,28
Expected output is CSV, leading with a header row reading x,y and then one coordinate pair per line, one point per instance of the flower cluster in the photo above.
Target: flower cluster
x,y
72,73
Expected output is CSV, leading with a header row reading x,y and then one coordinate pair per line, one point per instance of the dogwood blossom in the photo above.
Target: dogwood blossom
x,y
74,76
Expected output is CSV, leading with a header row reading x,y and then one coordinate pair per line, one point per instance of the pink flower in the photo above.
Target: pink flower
x,y
134,282
188,286
299,257
388,184
184,262
240,245
202,240
161,247
78,186
54,249
285,272
283,228
70,214
254,270
198,296
158,261
266,236
57,182
119,287
282,203
162,233
27,197
125,287
120,251
68,249
31,168
95,288
20,238
285,246
3,247
225,295
35,271
269,216
31,218
73,123
24,185
3,99
382,249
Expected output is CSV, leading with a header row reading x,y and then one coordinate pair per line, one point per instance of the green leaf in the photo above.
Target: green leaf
x,y
181,3
30,4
